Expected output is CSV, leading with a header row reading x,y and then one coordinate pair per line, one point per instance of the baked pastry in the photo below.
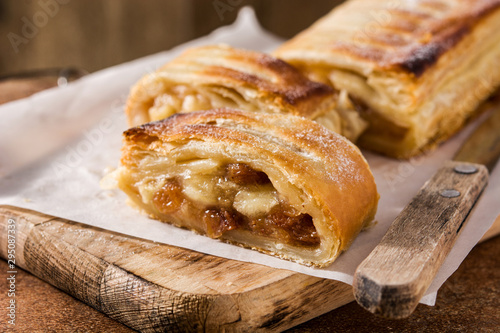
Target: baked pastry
x,y
220,76
415,70
280,184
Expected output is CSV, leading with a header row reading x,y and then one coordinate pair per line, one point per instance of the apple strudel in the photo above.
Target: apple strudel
x,y
218,76
415,70
280,184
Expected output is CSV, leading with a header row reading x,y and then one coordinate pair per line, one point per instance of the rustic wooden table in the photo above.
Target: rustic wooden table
x,y
468,301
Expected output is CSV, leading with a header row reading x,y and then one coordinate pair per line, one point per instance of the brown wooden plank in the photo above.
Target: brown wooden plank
x,y
155,287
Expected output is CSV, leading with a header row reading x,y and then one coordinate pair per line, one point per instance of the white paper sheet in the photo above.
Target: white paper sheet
x,y
56,145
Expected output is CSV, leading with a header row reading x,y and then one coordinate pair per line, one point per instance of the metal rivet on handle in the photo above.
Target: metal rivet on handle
x,y
450,193
465,169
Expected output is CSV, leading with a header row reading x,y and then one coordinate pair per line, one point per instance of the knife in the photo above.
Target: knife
x,y
391,281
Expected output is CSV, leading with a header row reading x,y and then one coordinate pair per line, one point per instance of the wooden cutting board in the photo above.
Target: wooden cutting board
x,y
154,287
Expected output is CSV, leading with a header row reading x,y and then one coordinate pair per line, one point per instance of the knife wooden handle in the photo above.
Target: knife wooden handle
x,y
393,278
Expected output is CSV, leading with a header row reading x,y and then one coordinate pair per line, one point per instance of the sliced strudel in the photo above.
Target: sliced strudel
x,y
415,70
280,184
220,76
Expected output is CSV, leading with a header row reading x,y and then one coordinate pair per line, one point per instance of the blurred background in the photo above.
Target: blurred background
x,y
95,34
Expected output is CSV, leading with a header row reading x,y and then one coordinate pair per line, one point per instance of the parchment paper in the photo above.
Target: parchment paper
x,y
57,145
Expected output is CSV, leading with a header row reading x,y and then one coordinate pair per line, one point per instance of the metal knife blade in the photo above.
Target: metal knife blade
x,y
394,277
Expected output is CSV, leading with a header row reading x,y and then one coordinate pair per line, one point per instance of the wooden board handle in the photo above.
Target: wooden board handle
x,y
393,278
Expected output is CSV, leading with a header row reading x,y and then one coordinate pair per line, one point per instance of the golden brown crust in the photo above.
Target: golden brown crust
x,y
405,35
288,85
301,158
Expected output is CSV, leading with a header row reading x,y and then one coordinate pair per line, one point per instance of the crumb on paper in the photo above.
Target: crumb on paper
x,y
370,225
109,181
107,170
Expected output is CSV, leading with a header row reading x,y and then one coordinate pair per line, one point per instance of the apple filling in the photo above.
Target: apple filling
x,y
235,196
177,99
183,99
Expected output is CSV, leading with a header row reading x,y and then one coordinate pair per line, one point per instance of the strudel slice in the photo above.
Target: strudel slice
x,y
218,76
280,184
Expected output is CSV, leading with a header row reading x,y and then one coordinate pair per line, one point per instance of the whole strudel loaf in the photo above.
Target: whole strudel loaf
x,y
415,70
